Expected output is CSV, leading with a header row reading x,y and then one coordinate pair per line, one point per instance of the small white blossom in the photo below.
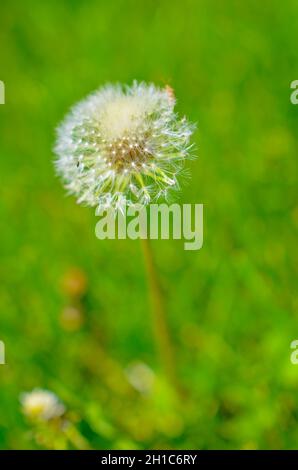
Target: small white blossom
x,y
122,145
41,405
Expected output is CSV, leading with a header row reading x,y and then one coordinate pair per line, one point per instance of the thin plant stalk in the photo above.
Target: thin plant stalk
x,y
159,319
75,437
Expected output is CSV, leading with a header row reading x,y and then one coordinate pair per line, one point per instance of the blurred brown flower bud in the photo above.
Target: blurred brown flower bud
x,y
74,282
71,318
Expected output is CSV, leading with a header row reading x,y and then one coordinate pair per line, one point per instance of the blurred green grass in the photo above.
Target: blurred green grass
x,y
232,305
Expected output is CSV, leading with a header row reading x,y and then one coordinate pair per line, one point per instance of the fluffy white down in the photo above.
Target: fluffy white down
x,y
122,145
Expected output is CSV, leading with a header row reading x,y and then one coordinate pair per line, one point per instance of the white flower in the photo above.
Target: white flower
x,y
41,405
122,145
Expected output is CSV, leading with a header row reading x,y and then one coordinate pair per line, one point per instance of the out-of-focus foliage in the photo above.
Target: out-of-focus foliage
x,y
74,310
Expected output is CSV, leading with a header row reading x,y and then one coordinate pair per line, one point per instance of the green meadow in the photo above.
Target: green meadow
x,y
75,311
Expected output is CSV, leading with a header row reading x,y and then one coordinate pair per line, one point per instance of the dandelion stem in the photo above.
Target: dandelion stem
x,y
159,319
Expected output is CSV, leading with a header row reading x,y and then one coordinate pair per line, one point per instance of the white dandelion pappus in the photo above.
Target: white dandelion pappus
x,y
41,405
122,145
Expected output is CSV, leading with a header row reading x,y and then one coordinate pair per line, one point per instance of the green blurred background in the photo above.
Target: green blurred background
x,y
75,316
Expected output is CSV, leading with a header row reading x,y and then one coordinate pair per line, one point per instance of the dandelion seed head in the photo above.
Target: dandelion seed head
x,y
120,140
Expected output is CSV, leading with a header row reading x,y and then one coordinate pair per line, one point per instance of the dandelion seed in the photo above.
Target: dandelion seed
x,y
123,123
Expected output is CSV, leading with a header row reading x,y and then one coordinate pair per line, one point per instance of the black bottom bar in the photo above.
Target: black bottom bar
x,y
136,459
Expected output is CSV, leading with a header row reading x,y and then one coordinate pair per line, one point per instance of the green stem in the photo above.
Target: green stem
x,y
159,318
75,437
